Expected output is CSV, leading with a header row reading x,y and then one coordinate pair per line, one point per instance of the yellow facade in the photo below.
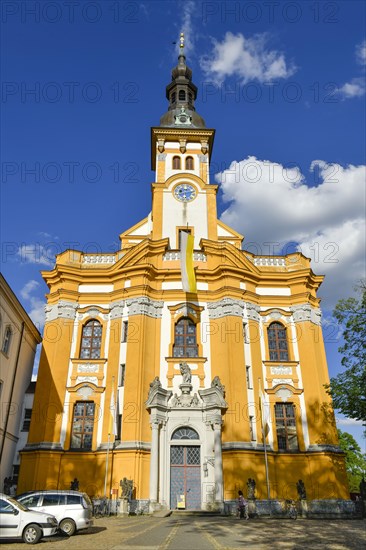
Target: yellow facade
x,y
239,298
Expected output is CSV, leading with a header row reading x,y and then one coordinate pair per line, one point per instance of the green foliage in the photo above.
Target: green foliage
x,y
355,460
348,389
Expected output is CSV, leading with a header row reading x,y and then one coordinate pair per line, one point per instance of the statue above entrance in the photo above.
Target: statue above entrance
x,y
185,372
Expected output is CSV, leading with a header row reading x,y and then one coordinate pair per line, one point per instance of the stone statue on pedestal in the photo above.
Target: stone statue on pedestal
x,y
127,487
251,488
185,372
301,491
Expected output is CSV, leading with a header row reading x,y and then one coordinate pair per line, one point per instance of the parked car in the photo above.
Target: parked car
x,y
72,509
17,521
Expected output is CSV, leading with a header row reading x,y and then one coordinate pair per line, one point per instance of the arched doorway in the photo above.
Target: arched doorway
x,y
185,470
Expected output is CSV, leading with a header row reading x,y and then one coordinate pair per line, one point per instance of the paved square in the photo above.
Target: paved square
x,y
206,533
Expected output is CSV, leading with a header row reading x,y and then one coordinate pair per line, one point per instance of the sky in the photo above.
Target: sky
x,y
283,84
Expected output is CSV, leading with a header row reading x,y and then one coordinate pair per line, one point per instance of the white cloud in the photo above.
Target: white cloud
x,y
189,10
273,205
355,88
28,289
36,253
36,305
361,52
246,58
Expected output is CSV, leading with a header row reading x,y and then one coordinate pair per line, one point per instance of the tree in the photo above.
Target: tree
x,y
348,389
355,460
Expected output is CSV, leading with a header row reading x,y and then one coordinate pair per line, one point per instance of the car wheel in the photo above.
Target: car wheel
x,y
32,533
68,527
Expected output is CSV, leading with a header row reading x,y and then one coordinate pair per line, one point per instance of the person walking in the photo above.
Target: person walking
x,y
242,506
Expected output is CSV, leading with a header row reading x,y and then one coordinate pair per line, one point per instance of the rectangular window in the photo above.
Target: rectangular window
x,y
124,331
83,425
245,333
251,428
286,427
248,372
122,373
26,420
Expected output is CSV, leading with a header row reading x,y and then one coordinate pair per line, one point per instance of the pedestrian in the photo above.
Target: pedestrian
x,y
242,506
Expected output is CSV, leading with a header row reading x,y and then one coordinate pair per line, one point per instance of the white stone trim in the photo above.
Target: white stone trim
x,y
62,310
225,307
143,305
306,312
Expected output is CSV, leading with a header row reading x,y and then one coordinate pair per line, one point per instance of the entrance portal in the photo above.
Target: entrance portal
x,y
185,477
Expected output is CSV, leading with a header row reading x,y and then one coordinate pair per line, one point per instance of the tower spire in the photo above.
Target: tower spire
x,y
181,94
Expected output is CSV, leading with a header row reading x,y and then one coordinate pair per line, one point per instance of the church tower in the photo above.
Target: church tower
x,y
187,393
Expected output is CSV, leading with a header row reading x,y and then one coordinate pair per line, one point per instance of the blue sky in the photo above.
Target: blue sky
x,y
282,83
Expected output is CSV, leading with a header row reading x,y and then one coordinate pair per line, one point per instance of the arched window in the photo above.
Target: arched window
x,y
185,433
182,95
190,98
185,344
176,163
7,340
286,427
82,425
189,163
91,340
277,342
173,96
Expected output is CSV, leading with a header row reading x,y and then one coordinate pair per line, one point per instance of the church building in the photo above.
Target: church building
x,y
183,362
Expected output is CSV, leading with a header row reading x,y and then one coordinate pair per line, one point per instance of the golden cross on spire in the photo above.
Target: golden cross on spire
x,y
181,41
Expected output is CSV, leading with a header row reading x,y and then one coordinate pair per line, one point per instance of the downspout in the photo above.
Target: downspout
x,y
12,391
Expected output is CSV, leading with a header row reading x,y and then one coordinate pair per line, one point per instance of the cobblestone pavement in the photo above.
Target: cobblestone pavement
x,y
206,533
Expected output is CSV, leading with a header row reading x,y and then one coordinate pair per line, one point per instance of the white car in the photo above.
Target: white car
x,y
72,509
17,521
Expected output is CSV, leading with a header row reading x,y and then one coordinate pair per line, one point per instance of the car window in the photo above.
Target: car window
x,y
73,499
5,507
30,501
50,500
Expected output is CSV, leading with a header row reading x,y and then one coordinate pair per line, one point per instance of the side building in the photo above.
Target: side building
x,y
19,339
142,380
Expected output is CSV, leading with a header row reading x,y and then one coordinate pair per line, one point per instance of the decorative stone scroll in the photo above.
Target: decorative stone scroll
x,y
61,310
277,381
305,312
117,309
143,305
90,379
88,367
225,307
253,311
85,392
281,370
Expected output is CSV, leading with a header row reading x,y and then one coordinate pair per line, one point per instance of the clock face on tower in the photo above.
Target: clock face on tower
x,y
184,192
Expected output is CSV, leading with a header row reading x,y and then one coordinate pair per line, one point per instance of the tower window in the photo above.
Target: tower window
x,y
185,343
190,98
176,163
286,427
189,163
27,420
7,340
124,331
182,95
122,374
173,96
91,340
277,342
249,377
82,425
